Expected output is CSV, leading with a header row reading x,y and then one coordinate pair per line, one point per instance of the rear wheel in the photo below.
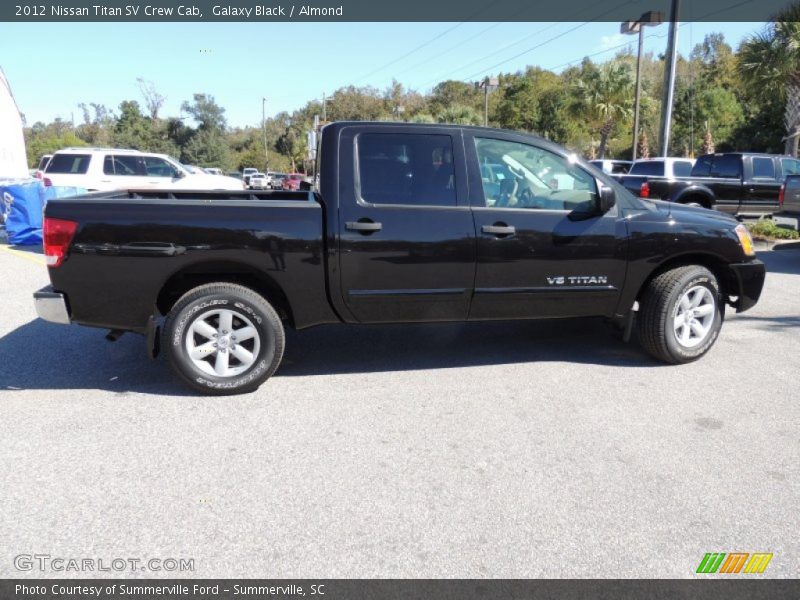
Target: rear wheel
x,y
680,314
223,338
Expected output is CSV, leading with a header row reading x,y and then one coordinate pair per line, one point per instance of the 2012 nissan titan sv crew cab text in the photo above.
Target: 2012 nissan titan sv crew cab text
x,y
408,224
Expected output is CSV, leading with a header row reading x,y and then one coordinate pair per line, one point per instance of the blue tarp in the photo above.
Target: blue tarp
x,y
22,205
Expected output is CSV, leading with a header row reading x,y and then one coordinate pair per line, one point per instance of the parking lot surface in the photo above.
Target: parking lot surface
x,y
535,449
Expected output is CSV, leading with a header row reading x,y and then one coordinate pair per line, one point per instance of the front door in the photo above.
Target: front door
x,y
407,240
543,248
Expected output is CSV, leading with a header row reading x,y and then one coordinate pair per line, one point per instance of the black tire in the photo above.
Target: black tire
x,y
659,308
248,309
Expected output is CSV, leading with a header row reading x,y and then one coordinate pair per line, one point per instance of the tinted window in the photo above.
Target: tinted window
x,y
790,166
122,165
43,162
763,167
620,168
396,168
648,167
681,168
727,165
516,175
702,168
75,164
158,167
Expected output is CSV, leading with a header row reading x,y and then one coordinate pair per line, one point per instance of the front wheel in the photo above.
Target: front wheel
x,y
223,338
680,314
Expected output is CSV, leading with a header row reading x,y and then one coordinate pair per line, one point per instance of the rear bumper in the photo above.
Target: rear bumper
x,y
51,306
749,280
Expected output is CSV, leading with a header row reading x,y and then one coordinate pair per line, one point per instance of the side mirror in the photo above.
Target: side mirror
x,y
179,174
607,200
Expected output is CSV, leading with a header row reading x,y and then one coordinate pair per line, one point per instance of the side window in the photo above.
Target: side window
x,y
763,167
73,164
681,168
158,167
727,165
411,169
702,168
648,167
526,176
790,166
121,165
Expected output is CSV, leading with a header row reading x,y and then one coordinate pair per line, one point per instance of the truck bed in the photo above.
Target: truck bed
x,y
265,238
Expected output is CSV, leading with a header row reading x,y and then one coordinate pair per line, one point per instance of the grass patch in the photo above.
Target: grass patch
x,y
768,230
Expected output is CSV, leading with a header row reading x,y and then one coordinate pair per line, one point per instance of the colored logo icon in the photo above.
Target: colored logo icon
x,y
734,562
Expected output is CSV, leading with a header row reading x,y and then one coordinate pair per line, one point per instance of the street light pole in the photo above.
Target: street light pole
x,y
669,77
489,83
264,129
648,18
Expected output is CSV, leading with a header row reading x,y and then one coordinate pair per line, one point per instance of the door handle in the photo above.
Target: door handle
x,y
363,226
499,229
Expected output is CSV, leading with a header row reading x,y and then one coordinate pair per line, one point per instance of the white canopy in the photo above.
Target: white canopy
x,y
13,162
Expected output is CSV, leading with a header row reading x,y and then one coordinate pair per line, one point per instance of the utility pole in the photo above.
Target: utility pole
x,y
324,108
489,83
650,18
264,129
669,77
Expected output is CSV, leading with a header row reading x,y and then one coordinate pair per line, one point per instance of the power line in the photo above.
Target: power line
x,y
425,44
547,41
498,51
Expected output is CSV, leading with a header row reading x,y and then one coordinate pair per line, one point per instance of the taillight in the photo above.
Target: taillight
x,y
38,175
47,182
644,190
781,195
58,234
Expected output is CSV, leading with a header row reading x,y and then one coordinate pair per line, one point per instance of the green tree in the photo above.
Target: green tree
x,y
607,94
209,115
770,62
458,114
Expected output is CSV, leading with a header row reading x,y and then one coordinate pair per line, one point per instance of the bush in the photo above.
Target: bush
x,y
766,228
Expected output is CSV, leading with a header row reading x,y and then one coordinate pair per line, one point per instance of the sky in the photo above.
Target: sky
x,y
54,67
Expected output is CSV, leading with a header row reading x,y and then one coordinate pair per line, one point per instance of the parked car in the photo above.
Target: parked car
x,y
102,169
292,181
246,172
277,180
213,171
788,214
259,181
394,235
236,174
195,170
612,167
732,182
43,161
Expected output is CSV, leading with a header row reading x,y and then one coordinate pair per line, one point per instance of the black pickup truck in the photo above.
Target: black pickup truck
x,y
732,182
409,223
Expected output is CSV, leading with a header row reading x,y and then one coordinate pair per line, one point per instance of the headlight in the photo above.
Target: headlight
x,y
745,241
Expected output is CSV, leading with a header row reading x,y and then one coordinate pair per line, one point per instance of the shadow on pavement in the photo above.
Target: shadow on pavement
x,y
782,261
40,355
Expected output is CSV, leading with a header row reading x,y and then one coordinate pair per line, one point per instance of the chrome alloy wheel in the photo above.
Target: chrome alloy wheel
x,y
694,316
222,343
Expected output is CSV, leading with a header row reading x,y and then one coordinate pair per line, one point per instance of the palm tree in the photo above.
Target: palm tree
x,y
608,94
770,63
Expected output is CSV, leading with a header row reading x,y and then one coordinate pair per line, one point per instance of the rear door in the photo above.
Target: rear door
x,y
542,247
123,172
407,240
762,186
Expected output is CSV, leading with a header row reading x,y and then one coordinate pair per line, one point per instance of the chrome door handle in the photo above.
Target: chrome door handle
x,y
363,226
499,229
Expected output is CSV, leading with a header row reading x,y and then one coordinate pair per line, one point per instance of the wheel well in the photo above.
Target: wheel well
x,y
695,197
718,267
197,275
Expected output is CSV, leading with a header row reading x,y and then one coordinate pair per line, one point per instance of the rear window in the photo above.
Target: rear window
x,y
409,169
43,162
648,167
73,164
619,168
681,168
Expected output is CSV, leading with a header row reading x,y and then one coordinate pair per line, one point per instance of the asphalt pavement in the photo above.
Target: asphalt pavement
x,y
506,450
